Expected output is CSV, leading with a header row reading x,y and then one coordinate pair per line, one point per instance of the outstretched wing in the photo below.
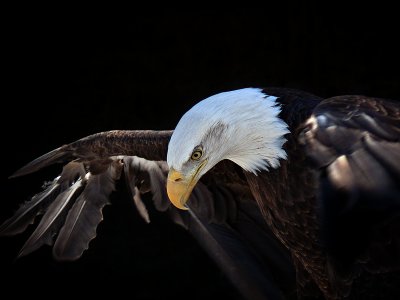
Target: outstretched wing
x,y
222,216
72,203
98,147
354,142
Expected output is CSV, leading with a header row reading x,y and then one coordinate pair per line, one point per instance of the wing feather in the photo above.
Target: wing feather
x,y
358,140
141,207
51,220
86,213
28,211
388,155
354,144
39,203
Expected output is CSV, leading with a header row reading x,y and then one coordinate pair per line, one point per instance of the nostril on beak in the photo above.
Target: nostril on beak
x,y
175,176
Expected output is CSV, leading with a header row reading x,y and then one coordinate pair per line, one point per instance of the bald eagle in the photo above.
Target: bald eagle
x,y
292,195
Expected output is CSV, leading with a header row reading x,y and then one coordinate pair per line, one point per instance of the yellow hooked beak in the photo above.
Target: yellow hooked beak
x,y
179,186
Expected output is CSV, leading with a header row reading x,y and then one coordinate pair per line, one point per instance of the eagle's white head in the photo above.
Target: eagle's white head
x,y
241,125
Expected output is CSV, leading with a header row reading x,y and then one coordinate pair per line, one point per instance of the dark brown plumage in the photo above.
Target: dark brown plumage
x,y
325,224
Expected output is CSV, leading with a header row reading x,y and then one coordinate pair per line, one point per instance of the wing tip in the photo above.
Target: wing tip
x,y
17,173
57,155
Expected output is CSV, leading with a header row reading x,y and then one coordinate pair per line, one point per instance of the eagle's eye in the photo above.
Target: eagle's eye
x,y
197,154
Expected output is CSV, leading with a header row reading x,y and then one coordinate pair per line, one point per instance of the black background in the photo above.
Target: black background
x,y
65,77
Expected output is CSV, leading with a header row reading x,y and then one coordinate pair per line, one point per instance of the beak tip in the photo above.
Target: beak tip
x,y
182,207
177,201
